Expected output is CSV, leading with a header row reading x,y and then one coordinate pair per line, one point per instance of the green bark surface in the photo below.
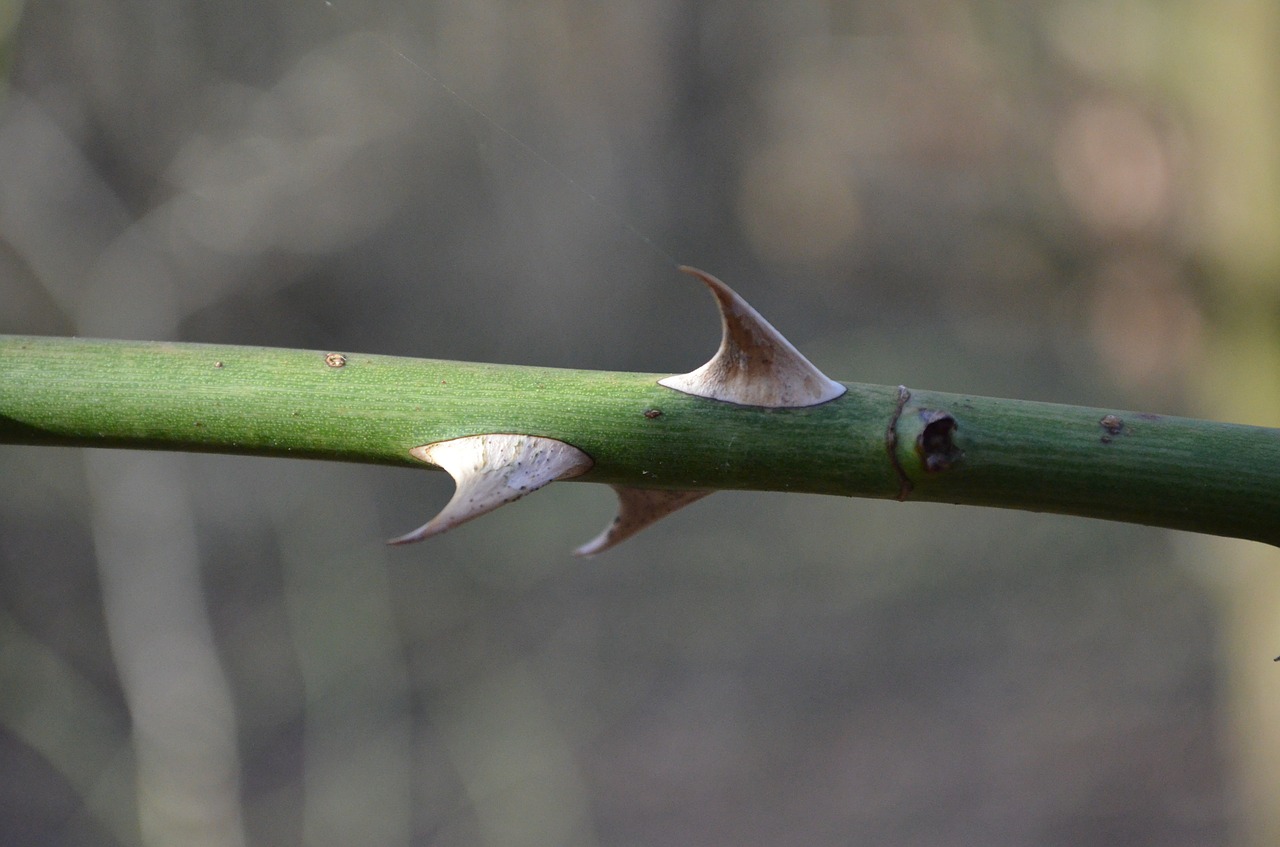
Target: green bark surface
x,y
874,441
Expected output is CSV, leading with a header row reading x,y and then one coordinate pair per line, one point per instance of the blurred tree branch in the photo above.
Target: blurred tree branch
x,y
874,441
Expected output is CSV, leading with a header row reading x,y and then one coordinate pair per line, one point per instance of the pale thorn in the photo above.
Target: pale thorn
x,y
637,508
755,365
492,470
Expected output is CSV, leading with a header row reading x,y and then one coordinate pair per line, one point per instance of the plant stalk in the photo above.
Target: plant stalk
x,y
874,441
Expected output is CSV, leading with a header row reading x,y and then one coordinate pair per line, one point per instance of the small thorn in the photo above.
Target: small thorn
x,y
637,508
492,470
755,365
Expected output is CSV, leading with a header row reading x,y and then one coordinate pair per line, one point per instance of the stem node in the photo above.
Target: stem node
x,y
937,451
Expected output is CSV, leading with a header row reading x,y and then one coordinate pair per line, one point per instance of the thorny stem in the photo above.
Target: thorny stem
x,y
874,441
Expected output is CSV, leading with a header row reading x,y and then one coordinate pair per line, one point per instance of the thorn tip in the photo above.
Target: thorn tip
x,y
755,365
637,508
492,470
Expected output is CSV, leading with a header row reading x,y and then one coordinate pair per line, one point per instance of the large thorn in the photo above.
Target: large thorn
x,y
491,470
637,508
755,365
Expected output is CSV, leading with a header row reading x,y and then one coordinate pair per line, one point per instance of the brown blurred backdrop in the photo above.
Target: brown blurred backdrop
x,y
1068,200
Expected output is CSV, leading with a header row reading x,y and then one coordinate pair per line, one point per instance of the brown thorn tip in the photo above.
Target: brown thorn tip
x,y
492,470
755,365
637,508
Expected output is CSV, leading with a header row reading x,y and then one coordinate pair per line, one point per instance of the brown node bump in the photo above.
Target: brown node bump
x,y
1113,425
937,450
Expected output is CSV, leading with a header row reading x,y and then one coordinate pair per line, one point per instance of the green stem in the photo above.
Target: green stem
x,y
874,441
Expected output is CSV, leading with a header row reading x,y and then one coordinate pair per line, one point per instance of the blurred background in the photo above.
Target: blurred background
x,y
1068,200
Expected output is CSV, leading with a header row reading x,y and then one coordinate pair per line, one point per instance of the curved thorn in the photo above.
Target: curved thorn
x,y
755,365
492,470
637,508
